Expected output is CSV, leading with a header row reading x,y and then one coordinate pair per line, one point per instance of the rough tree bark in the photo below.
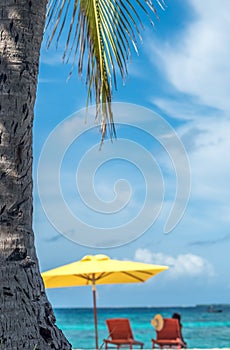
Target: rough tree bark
x,y
26,316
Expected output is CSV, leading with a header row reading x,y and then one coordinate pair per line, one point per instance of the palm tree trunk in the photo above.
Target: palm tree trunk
x,y
26,316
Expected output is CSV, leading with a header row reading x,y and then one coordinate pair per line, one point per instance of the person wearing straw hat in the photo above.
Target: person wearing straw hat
x,y
168,332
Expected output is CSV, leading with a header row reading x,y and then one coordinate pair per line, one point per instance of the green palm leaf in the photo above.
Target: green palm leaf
x,y
100,34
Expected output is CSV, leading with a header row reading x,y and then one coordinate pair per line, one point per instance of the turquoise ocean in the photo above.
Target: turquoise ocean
x,y
204,326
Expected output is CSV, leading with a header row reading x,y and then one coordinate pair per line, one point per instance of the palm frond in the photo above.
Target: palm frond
x,y
100,33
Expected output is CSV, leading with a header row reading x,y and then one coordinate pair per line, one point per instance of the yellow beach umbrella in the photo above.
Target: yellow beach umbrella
x,y
99,269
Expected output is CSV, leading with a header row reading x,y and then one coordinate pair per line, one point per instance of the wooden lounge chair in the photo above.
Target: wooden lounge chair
x,y
169,336
120,334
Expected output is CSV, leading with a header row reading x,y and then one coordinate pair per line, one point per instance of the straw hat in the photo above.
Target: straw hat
x,y
157,322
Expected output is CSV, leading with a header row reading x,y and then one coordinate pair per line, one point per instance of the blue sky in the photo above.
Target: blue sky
x,y
182,74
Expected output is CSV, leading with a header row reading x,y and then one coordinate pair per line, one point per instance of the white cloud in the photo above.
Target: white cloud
x,y
208,147
198,62
187,109
197,65
188,265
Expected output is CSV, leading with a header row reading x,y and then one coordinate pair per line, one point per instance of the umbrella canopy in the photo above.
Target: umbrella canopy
x,y
99,269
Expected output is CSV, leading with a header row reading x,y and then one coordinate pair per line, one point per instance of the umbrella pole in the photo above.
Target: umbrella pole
x,y
95,314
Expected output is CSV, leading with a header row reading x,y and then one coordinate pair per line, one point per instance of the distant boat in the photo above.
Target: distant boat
x,y
212,309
